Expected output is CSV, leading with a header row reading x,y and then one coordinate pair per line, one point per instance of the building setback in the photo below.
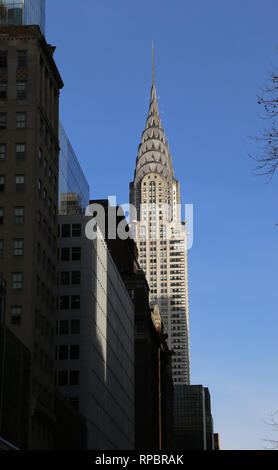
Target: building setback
x,y
95,337
161,237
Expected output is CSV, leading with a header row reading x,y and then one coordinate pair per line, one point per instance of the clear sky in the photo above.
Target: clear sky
x,y
211,57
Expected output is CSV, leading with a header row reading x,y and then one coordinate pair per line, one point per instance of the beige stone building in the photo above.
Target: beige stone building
x,y
161,237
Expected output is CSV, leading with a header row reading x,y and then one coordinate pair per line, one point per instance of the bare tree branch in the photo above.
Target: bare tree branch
x,y
267,160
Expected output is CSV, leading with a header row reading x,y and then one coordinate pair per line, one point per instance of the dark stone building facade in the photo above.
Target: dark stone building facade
x,y
29,157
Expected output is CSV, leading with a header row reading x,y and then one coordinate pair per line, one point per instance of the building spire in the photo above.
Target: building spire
x,y
152,64
153,90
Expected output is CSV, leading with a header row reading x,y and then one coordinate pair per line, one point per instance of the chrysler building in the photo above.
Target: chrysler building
x,y
161,236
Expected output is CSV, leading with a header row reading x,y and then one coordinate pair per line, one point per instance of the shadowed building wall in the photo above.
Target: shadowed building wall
x,y
193,423
95,337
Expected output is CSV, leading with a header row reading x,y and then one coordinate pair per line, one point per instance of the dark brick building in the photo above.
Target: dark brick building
x,y
29,154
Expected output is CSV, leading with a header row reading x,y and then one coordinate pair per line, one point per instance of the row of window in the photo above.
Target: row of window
x,y
19,183
66,278
66,302
17,249
68,327
21,59
19,219
18,215
21,90
21,120
69,230
67,352
153,243
67,377
19,151
69,253
17,285
20,154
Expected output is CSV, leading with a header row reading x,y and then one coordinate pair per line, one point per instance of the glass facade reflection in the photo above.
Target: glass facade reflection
x,y
23,12
74,192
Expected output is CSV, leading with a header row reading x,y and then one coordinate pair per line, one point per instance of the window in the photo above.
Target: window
x,y
74,377
21,59
3,121
74,352
76,230
75,327
21,90
19,183
3,150
1,248
65,254
17,281
1,215
3,90
21,120
16,313
2,183
62,377
3,59
75,301
18,247
19,213
76,253
20,151
65,230
75,277
64,302
64,278
63,353
64,327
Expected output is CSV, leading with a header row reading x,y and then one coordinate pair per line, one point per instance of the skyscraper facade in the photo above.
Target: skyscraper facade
x,y
161,236
23,12
29,159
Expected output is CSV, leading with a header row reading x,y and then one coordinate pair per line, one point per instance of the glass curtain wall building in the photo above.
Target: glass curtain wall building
x,y
23,12
74,193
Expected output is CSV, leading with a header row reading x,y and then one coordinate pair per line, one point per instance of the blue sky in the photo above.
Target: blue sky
x,y
210,59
